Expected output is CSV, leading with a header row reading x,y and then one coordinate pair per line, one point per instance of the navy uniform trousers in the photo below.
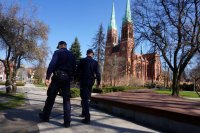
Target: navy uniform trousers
x,y
55,86
85,93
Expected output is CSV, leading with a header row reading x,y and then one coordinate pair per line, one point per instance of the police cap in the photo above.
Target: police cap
x,y
60,43
89,51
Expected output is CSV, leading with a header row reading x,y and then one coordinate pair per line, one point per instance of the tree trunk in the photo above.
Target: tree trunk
x,y
8,80
13,79
14,86
168,77
175,84
8,84
197,88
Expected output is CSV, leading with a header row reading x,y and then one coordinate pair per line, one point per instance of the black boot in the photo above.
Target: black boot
x,y
85,121
66,124
60,93
43,118
81,115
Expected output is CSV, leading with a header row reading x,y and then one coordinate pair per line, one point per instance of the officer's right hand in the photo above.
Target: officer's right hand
x,y
47,82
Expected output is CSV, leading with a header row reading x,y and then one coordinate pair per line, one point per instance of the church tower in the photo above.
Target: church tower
x,y
127,41
111,41
112,35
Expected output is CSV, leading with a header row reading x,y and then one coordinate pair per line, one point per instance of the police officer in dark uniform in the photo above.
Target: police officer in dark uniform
x,y
87,71
62,66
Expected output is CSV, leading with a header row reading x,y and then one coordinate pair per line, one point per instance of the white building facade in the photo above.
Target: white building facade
x,y
2,72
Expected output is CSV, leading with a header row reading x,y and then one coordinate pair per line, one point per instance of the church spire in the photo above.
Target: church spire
x,y
127,17
141,50
112,24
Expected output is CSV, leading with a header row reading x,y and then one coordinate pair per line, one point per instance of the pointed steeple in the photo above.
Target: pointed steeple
x,y
127,17
112,24
141,50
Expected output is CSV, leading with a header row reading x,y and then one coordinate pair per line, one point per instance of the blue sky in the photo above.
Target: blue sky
x,y
70,18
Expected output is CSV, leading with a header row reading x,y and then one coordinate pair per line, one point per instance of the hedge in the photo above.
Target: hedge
x,y
115,89
95,90
187,87
2,83
75,92
17,83
20,83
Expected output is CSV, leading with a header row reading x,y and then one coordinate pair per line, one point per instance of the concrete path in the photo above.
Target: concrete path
x,y
100,122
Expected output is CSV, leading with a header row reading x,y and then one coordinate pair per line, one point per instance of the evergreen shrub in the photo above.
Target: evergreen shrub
x,y
75,92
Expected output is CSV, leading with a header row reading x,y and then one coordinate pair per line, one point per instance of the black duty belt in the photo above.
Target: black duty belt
x,y
60,72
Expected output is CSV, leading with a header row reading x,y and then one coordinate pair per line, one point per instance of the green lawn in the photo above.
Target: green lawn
x,y
16,100
189,94
40,85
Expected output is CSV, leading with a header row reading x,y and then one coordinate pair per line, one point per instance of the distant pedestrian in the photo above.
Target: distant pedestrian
x,y
87,71
62,66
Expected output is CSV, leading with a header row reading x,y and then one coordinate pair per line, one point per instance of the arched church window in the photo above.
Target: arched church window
x,y
125,33
108,38
130,34
138,67
157,69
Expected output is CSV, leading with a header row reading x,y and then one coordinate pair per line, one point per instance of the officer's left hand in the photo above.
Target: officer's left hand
x,y
47,82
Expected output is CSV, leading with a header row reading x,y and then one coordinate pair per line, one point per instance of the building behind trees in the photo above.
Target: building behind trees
x,y
121,63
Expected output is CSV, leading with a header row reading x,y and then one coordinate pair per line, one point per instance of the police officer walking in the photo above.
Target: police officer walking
x,y
87,71
62,66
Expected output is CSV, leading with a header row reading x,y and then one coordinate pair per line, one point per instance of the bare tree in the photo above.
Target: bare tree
x,y
115,71
98,46
20,35
174,27
40,66
195,76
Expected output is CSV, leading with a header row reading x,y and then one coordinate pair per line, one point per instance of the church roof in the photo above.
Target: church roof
x,y
127,17
112,24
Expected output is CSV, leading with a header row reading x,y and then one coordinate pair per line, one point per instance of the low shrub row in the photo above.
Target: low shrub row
x,y
18,83
95,90
75,92
187,87
115,89
184,86
2,83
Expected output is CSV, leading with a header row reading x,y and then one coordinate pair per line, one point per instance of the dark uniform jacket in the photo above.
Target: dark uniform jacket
x,y
88,69
62,60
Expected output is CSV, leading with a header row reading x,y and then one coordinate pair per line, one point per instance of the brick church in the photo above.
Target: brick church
x,y
121,63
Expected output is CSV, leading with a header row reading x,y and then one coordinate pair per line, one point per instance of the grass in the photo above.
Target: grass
x,y
14,101
187,94
40,85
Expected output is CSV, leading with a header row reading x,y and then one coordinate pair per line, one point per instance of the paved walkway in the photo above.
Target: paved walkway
x,y
100,122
